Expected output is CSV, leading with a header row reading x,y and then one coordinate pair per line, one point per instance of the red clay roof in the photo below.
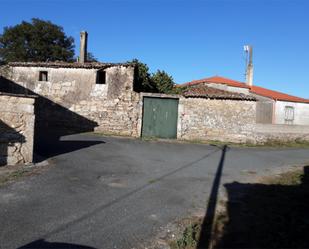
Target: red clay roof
x,y
253,89
219,80
276,95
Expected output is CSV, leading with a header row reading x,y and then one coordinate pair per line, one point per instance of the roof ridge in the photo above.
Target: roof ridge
x,y
218,76
262,91
277,92
64,64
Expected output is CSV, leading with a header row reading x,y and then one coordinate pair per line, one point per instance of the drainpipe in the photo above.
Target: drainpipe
x,y
274,112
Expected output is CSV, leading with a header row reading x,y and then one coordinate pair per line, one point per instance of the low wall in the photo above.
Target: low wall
x,y
213,119
16,129
285,133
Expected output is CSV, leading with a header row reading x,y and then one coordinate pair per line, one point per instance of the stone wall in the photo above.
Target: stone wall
x,y
285,133
213,119
16,129
71,99
231,121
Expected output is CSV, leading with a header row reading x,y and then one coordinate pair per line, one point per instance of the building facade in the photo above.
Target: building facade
x,y
272,107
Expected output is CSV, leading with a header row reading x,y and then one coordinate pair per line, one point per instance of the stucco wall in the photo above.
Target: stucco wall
x,y
209,119
301,112
16,129
110,107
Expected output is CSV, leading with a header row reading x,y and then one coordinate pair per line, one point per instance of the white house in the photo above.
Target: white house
x,y
272,107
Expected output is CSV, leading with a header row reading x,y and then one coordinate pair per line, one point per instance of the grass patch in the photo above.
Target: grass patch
x,y
11,176
107,134
296,143
152,181
268,144
294,177
190,237
13,173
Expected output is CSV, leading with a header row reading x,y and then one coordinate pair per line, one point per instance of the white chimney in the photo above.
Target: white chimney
x,y
83,47
249,65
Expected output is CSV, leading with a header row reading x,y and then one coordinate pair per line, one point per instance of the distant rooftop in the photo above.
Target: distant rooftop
x,y
275,95
203,91
86,65
217,79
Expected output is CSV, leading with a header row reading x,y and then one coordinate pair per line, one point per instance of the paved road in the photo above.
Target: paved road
x,y
108,192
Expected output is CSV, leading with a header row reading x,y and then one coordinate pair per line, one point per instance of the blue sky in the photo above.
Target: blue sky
x,y
188,39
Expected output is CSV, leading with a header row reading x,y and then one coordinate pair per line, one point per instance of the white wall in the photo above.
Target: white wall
x,y
301,112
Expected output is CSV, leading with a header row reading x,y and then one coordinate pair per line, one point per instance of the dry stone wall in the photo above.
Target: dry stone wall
x,y
285,133
16,129
211,119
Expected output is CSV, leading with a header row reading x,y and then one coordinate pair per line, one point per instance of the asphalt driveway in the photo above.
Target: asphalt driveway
x,y
103,192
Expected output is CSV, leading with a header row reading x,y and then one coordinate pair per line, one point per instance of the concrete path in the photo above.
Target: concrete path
x,y
103,192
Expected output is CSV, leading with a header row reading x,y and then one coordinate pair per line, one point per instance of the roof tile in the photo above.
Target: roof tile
x,y
213,93
60,64
253,89
219,80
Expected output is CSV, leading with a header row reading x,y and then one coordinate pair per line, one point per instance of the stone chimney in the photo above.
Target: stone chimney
x,y
249,69
83,47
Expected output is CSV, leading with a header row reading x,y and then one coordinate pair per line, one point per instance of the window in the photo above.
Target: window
x,y
101,77
43,76
289,114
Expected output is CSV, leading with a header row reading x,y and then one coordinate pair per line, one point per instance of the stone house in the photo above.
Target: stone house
x,y
81,97
92,96
76,97
272,107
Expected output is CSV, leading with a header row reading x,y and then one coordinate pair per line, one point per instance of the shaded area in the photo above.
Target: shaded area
x,y
52,121
8,137
58,146
42,244
208,222
268,215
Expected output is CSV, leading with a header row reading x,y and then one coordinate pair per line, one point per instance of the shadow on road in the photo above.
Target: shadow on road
x,y
57,146
42,244
270,215
208,223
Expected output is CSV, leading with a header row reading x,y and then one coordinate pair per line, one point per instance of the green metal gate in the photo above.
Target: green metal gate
x,y
160,117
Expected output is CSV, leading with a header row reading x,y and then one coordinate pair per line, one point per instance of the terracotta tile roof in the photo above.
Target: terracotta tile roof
x,y
253,89
60,64
276,95
218,80
203,91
